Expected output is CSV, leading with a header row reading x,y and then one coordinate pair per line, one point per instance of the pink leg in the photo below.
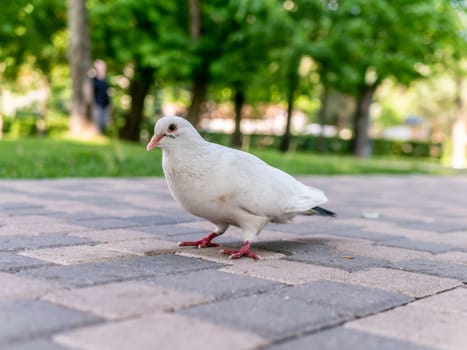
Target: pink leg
x,y
202,243
243,251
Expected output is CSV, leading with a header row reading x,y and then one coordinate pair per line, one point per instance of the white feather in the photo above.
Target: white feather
x,y
227,186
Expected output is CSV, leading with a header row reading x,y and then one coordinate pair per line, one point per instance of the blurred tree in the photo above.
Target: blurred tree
x,y
28,36
367,41
248,32
32,32
145,38
200,68
81,124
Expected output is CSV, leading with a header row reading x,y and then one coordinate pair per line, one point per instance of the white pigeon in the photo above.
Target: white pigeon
x,y
228,187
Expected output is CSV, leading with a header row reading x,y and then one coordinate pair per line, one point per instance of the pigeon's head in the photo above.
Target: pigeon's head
x,y
171,132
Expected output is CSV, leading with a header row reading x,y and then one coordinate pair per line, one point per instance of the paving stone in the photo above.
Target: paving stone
x,y
311,244
194,236
363,233
159,331
106,223
118,270
380,251
12,243
270,316
15,287
75,254
336,259
212,254
439,226
28,318
319,225
442,269
124,299
418,324
414,284
342,338
417,245
15,262
149,220
30,220
215,284
112,235
284,271
451,257
171,230
336,296
453,301
36,344
35,229
148,246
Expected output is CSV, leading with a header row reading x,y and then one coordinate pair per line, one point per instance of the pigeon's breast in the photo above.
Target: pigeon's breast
x,y
192,187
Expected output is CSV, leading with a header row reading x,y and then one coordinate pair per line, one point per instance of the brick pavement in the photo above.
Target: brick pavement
x,y
93,264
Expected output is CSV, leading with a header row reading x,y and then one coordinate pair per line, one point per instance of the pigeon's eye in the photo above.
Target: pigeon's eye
x,y
172,127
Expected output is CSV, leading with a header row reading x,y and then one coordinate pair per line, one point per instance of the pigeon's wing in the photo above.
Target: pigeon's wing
x,y
264,190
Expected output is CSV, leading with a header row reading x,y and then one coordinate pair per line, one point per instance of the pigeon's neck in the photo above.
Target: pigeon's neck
x,y
187,149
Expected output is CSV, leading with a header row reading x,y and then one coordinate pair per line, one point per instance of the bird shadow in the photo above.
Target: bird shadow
x,y
302,245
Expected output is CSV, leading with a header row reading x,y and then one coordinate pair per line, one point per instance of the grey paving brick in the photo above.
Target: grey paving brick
x,y
224,239
318,226
14,262
28,318
438,226
154,220
337,295
437,268
18,209
105,223
317,245
270,316
159,331
169,230
341,338
36,344
12,243
364,233
334,258
119,270
417,245
215,283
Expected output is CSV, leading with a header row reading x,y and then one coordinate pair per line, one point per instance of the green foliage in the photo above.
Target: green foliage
x,y
32,31
335,145
148,33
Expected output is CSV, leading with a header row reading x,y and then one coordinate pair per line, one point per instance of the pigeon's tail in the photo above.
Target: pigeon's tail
x,y
321,211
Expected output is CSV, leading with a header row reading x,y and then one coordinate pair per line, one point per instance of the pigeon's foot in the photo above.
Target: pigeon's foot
x,y
243,251
202,243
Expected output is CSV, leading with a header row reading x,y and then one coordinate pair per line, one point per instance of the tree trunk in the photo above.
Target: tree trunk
x,y
239,100
195,18
81,124
360,145
322,119
292,85
199,92
200,75
139,88
459,129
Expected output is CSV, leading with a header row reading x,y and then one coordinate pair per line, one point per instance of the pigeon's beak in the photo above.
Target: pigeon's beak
x,y
154,142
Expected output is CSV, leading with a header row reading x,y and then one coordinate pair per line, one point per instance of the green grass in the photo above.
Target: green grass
x,y
55,157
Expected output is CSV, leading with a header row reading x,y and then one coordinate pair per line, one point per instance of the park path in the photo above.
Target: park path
x,y
93,264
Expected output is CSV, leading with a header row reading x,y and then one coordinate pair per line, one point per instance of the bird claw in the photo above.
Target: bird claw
x,y
202,243
243,251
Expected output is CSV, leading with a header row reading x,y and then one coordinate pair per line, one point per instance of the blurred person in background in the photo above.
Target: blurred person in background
x,y
101,111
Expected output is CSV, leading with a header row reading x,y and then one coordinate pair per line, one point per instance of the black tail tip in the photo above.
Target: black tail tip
x,y
324,212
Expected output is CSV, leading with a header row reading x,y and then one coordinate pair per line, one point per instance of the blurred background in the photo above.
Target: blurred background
x,y
342,86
